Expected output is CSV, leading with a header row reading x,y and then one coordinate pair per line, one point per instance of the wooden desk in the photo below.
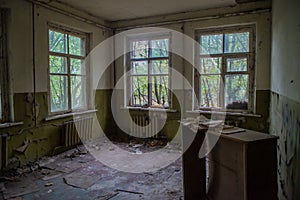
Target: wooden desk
x,y
242,166
194,175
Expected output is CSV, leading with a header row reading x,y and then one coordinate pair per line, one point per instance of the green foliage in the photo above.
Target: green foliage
x,y
150,76
64,70
236,83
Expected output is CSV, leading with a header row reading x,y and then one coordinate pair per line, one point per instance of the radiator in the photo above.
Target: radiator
x,y
139,126
77,130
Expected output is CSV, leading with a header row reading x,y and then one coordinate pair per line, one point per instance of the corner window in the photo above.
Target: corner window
x,y
148,62
4,70
225,75
67,70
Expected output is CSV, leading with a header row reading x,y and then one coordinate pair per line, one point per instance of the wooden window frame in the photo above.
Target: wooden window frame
x,y
68,56
5,115
250,66
149,59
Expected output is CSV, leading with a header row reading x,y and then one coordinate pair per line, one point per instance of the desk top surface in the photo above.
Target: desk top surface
x,y
245,135
249,136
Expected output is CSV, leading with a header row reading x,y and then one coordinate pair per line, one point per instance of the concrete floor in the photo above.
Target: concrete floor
x,y
76,174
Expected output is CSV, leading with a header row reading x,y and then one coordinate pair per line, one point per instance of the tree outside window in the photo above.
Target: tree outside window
x,y
67,71
226,70
149,72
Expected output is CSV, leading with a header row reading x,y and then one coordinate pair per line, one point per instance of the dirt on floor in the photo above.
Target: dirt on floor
x,y
78,174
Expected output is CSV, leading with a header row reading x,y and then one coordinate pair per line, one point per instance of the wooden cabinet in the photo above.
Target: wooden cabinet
x,y
243,166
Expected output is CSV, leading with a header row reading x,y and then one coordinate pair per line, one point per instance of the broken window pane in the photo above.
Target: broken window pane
x,y
160,87
210,65
58,93
58,65
159,48
139,94
237,42
139,67
78,91
57,42
236,91
236,64
139,49
149,72
211,44
160,66
76,45
210,90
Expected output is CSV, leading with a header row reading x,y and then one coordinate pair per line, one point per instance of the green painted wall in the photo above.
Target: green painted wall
x,y
251,122
44,136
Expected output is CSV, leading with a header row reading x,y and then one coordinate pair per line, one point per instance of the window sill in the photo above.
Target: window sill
x,y
149,109
225,113
60,116
10,124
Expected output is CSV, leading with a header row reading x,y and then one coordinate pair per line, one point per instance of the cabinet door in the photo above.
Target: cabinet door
x,y
227,171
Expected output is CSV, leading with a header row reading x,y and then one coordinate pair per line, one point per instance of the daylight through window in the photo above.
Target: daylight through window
x,y
149,72
226,72
67,71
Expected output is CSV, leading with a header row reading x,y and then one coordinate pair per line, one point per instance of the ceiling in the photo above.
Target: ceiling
x,y
115,10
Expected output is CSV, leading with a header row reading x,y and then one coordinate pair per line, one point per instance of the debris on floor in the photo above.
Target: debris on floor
x,y
107,196
16,189
79,180
76,174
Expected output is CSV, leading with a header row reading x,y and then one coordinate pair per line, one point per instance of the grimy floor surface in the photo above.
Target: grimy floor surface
x,y
77,174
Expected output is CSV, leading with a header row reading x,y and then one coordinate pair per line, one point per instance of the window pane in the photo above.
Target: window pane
x,y
160,91
139,49
210,90
57,42
237,42
77,66
78,91
58,93
159,48
58,64
160,67
210,65
211,44
236,64
139,67
139,94
77,46
236,91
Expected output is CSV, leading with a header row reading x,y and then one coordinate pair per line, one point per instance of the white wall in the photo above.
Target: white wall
x,y
263,34
20,43
286,49
262,20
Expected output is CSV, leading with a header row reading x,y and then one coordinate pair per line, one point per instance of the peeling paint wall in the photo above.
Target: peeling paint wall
x,y
42,137
285,97
37,136
285,122
216,18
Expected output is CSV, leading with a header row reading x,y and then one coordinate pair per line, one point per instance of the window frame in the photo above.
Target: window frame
x,y
5,114
251,28
69,31
128,66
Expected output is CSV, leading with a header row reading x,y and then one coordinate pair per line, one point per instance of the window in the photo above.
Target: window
x,y
149,62
4,74
226,68
67,70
